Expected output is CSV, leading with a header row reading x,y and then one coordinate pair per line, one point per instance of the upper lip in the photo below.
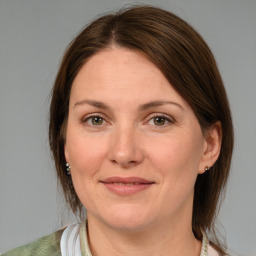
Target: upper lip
x,y
127,180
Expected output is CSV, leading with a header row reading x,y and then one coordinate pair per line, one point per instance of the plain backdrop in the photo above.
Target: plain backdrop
x,y
33,37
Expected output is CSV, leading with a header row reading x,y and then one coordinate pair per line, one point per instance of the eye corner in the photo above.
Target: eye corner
x,y
160,120
94,120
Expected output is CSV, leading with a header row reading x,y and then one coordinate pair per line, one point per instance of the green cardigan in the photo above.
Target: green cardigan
x,y
45,246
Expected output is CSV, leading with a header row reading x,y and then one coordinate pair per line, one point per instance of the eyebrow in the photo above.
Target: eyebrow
x,y
143,107
158,103
94,103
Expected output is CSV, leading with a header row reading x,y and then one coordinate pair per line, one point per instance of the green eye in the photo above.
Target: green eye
x,y
96,120
159,120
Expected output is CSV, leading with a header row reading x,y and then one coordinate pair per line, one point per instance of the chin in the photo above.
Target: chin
x,y
128,225
128,219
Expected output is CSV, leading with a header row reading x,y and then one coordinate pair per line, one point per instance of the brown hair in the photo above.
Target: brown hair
x,y
188,64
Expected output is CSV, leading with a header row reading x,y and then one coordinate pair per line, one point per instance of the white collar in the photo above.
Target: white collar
x,y
70,241
74,242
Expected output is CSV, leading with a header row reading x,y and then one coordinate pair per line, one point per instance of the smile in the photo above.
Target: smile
x,y
126,186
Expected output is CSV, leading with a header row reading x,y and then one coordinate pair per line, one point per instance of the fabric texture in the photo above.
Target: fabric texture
x,y
51,244
45,246
70,241
85,249
73,232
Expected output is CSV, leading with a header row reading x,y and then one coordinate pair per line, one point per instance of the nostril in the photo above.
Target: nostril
x,y
125,150
124,164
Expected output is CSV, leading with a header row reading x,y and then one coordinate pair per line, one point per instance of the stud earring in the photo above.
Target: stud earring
x,y
207,168
68,169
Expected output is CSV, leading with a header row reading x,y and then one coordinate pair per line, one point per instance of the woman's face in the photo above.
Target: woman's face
x,y
134,145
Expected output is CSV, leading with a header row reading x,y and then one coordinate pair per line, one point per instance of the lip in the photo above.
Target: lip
x,y
126,186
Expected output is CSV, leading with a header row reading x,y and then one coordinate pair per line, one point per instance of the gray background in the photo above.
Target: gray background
x,y
33,36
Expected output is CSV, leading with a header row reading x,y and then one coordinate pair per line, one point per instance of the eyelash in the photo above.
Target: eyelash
x,y
167,120
87,118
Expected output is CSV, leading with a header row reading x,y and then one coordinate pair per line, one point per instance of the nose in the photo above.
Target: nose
x,y
125,149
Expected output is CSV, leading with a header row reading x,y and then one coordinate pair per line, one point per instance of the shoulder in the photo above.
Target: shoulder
x,y
47,245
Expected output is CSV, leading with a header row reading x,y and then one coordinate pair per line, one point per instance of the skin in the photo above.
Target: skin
x,y
113,130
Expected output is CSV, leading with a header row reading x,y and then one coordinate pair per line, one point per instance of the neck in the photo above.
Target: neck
x,y
164,238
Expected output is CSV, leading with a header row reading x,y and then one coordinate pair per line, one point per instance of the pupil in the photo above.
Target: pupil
x,y
97,120
159,121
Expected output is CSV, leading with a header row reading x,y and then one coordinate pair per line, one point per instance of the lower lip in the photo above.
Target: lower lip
x,y
126,190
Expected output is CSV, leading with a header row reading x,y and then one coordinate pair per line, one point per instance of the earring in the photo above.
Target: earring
x,y
207,168
68,169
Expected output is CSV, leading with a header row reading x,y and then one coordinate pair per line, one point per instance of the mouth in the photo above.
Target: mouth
x,y
126,186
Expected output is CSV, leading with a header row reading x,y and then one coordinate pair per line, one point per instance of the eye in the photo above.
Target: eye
x,y
159,121
94,120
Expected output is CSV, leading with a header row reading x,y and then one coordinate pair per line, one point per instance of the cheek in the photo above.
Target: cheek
x,y
86,156
85,153
176,161
176,156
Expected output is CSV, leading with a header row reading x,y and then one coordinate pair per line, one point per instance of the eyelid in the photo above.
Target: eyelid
x,y
167,117
153,124
85,118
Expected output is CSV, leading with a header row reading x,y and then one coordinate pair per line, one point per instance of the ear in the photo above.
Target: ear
x,y
212,146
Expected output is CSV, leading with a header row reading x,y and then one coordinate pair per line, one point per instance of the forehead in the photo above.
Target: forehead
x,y
115,63
122,72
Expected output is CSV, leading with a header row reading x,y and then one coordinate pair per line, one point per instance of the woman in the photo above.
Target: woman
x,y
142,137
